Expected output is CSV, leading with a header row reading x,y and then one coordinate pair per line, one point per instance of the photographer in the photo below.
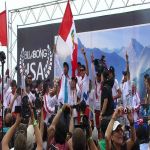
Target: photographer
x,y
116,92
115,135
20,142
107,104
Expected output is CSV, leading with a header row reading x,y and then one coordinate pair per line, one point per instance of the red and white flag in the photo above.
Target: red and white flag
x,y
3,28
67,38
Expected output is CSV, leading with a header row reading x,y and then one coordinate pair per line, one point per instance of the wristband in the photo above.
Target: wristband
x,y
90,139
35,123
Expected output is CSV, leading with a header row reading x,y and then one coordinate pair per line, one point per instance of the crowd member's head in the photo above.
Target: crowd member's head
x,y
78,68
146,76
111,72
13,86
98,76
66,68
82,71
105,77
73,83
78,139
61,133
29,79
20,142
39,85
8,120
148,84
142,134
124,76
117,135
45,88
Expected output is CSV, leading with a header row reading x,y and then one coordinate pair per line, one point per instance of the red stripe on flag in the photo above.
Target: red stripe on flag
x,y
3,28
66,23
74,59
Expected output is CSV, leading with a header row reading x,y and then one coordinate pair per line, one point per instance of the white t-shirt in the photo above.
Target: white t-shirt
x,y
126,94
83,86
17,102
115,88
31,97
95,95
8,99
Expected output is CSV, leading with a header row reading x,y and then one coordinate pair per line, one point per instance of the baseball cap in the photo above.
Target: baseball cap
x,y
116,124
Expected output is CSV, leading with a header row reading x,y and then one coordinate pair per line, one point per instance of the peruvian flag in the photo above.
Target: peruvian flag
x,y
67,39
3,28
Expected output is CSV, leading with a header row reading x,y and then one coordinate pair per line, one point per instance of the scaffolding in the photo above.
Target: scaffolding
x,y
52,12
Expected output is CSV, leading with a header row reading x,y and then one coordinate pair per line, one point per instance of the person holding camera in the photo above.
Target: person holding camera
x,y
115,135
107,104
20,142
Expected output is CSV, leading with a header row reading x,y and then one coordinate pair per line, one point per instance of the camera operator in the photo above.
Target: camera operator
x,y
116,92
107,104
115,135
83,80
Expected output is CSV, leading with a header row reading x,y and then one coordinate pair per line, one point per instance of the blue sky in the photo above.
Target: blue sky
x,y
116,38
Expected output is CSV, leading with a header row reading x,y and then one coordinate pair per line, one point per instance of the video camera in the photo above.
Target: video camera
x,y
100,64
24,109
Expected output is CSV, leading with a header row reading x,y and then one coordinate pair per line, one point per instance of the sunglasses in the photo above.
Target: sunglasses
x,y
82,70
29,77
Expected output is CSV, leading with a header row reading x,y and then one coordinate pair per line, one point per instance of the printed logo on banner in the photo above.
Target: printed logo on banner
x,y
38,62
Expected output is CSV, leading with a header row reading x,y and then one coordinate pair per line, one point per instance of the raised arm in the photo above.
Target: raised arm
x,y
132,139
86,61
37,133
93,70
127,66
10,133
51,129
109,129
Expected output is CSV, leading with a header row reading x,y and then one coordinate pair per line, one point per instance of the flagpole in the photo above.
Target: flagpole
x,y
7,37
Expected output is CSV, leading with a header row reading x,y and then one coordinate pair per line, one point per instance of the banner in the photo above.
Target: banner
x,y
34,55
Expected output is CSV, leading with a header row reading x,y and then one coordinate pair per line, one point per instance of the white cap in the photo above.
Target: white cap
x,y
116,124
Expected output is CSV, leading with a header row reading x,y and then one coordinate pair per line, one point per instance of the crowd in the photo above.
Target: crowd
x,y
76,113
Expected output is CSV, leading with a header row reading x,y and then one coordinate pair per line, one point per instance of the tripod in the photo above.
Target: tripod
x,y
2,60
